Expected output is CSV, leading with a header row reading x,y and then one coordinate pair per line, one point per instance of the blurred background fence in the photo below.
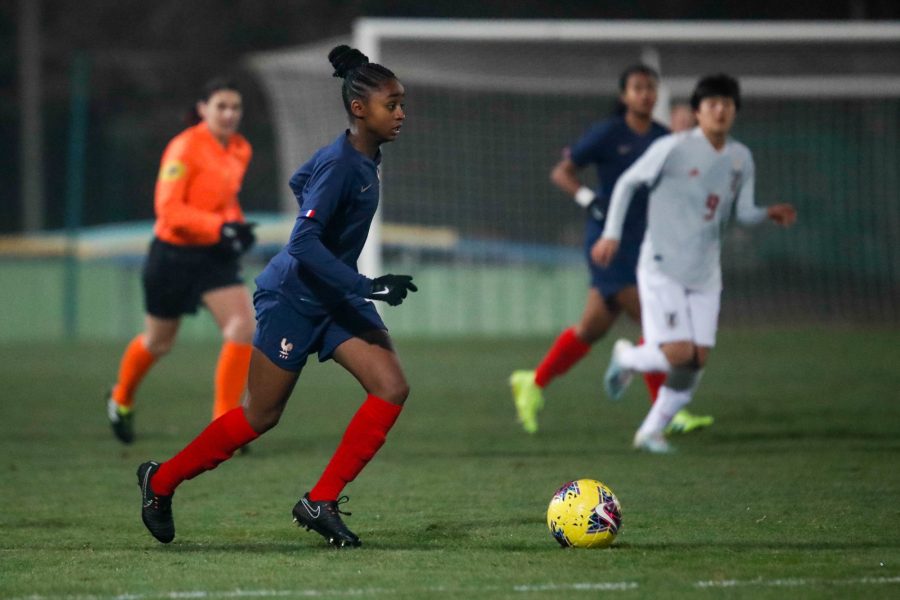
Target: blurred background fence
x,y
468,207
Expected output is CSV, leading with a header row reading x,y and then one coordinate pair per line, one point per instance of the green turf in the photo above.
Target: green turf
x,y
795,492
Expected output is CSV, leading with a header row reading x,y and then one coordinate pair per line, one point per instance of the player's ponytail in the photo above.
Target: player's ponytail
x,y
360,76
344,59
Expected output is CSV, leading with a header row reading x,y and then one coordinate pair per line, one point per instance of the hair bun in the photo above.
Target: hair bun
x,y
344,59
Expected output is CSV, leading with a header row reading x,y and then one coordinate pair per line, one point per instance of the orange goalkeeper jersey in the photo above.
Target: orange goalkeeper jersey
x,y
197,187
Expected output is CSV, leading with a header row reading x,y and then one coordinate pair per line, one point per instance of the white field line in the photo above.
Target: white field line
x,y
611,586
794,582
352,592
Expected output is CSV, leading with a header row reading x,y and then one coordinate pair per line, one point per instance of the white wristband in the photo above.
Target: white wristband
x,y
584,196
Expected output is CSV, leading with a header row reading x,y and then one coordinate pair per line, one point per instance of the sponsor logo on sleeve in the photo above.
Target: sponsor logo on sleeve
x,y
172,170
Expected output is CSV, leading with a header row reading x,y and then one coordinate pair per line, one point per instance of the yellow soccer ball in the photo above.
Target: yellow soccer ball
x,y
584,514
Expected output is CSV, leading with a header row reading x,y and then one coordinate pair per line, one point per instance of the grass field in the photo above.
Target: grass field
x,y
795,492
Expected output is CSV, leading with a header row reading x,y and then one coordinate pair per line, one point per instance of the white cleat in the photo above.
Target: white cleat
x,y
617,378
654,443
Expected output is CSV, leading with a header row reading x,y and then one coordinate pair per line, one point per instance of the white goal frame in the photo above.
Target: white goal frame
x,y
368,34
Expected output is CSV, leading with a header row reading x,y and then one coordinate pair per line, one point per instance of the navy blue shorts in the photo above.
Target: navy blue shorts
x,y
621,273
287,336
176,277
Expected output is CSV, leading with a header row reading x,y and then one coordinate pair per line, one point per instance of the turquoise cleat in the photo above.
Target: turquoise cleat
x,y
617,378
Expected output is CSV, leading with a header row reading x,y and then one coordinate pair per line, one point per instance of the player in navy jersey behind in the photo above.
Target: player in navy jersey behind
x,y
612,145
311,298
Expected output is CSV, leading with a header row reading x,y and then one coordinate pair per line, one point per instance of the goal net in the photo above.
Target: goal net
x,y
468,207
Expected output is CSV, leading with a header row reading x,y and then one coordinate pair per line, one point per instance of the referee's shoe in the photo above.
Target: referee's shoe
x,y
324,517
156,511
121,419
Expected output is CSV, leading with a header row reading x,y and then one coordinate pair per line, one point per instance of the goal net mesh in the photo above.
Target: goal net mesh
x,y
468,207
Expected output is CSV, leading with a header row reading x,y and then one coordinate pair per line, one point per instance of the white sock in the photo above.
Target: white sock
x,y
646,358
667,404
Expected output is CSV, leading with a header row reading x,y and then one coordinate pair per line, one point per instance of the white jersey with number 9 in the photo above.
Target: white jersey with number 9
x,y
693,188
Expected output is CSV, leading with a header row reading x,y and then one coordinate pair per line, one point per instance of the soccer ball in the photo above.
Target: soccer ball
x,y
584,514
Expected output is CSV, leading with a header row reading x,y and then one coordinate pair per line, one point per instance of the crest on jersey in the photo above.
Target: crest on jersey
x,y
671,319
172,170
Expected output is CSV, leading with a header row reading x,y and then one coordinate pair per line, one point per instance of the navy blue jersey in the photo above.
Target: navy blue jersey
x,y
613,146
337,190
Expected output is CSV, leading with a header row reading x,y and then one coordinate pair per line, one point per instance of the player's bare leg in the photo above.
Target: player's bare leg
x,y
268,389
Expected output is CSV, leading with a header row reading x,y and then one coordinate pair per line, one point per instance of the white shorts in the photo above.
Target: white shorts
x,y
671,312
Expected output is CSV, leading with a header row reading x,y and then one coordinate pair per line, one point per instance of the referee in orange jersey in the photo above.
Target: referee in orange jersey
x,y
199,237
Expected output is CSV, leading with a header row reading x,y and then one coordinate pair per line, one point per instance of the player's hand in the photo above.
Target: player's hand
x,y
391,288
235,237
783,214
603,251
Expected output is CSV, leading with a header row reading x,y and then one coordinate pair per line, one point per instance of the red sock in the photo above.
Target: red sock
x,y
565,352
653,381
214,445
364,436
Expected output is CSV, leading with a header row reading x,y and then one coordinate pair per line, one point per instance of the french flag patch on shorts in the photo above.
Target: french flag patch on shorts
x,y
308,214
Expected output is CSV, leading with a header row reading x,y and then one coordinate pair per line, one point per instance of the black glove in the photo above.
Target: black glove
x,y
236,238
391,288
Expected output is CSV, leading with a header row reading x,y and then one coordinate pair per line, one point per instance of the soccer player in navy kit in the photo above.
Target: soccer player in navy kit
x,y
311,298
612,145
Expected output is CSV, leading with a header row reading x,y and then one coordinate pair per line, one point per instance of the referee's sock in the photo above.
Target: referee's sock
x,y
136,361
363,438
567,350
214,445
231,376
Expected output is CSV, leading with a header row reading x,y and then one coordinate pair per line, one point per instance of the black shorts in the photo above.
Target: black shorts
x,y
176,277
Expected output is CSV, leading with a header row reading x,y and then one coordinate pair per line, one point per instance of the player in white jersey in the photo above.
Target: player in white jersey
x,y
696,178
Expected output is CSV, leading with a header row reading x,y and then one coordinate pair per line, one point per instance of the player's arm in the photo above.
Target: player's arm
x,y
644,171
327,184
319,203
171,198
583,152
565,176
748,213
